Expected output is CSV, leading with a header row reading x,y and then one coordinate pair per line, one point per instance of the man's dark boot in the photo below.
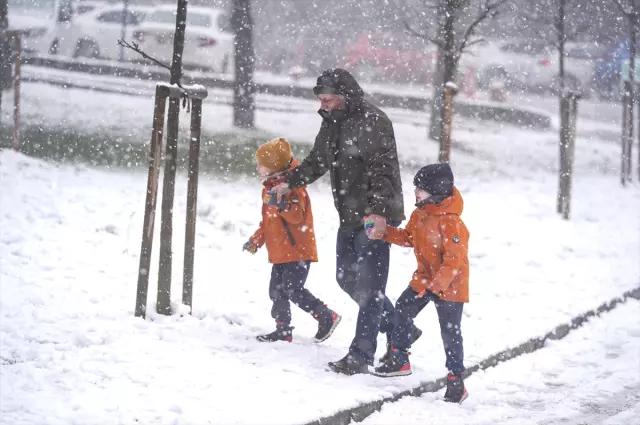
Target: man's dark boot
x,y
349,365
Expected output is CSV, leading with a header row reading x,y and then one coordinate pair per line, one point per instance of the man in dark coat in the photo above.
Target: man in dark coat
x,y
357,146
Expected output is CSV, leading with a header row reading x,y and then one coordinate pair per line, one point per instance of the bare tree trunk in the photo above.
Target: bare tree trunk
x,y
632,79
562,38
5,51
244,89
564,108
437,104
447,61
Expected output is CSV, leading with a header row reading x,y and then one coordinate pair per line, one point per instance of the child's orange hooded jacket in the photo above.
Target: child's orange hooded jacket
x,y
440,242
288,234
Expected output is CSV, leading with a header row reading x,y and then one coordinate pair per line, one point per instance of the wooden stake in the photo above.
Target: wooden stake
x,y
150,202
192,204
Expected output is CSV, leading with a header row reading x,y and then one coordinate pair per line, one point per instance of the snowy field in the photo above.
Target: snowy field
x,y
492,147
72,352
591,377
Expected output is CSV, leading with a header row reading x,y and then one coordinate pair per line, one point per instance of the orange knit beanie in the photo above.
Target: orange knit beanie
x,y
275,154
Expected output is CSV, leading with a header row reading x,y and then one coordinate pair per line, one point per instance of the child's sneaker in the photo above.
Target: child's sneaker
x,y
396,364
417,333
282,333
328,320
456,392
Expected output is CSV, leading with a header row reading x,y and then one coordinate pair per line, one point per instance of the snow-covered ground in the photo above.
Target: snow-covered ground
x,y
72,352
591,377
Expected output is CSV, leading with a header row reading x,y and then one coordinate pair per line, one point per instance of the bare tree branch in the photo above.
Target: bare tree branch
x,y
626,12
408,27
490,10
476,41
136,48
423,36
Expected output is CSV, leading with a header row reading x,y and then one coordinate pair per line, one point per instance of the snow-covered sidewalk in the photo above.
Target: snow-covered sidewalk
x,y
591,377
72,352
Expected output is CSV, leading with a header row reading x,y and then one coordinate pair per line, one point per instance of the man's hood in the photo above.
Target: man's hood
x,y
340,81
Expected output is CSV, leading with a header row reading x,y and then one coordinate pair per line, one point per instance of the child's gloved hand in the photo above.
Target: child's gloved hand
x,y
250,246
375,226
272,199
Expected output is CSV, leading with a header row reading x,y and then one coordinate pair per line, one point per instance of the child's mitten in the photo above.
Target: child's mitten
x,y
250,246
272,199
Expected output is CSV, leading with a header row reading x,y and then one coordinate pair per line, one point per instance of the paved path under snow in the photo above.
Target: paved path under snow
x,y
591,377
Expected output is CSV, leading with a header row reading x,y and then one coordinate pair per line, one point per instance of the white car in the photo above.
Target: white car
x,y
496,61
208,38
95,34
579,61
34,32
528,65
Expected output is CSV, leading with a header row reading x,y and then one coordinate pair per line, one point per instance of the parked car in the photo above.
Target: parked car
x,y
579,63
390,57
530,65
84,6
208,37
94,34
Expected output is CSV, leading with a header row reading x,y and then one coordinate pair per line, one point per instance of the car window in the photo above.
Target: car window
x,y
224,23
114,17
525,48
585,53
198,19
169,17
117,17
84,8
135,17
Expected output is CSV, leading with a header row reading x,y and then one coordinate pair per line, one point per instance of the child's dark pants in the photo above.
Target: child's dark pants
x,y
449,314
287,284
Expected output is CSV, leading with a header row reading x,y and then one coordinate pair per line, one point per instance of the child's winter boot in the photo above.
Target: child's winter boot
x,y
456,392
328,320
396,364
282,333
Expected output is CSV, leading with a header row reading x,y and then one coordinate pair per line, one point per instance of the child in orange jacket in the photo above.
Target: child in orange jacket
x,y
287,230
439,239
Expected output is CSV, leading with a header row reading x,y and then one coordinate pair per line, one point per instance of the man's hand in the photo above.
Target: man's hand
x,y
281,190
375,226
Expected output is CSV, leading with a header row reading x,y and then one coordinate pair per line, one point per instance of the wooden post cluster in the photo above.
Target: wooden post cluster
x,y
174,94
